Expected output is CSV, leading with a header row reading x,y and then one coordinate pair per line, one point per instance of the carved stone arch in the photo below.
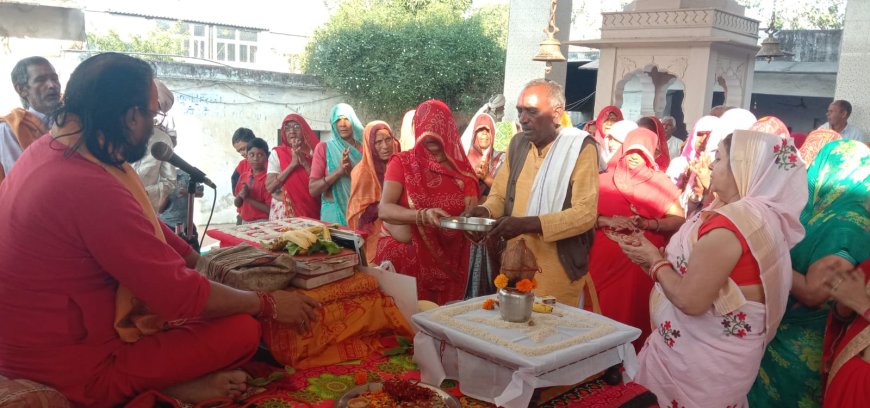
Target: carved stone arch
x,y
647,89
730,75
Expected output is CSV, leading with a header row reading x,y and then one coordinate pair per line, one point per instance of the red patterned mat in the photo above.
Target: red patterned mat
x,y
321,387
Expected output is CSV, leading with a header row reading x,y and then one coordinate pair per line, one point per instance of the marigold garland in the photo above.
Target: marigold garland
x,y
489,304
501,281
526,285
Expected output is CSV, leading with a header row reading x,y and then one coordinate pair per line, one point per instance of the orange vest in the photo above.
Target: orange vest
x,y
26,127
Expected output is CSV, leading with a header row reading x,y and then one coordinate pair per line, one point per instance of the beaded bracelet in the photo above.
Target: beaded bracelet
x,y
268,308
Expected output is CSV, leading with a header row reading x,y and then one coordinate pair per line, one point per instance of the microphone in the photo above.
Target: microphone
x,y
163,152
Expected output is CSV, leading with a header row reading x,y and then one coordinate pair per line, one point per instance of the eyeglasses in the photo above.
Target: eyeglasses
x,y
293,126
159,117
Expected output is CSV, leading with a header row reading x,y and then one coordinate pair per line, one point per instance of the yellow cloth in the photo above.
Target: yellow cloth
x,y
353,318
555,226
25,126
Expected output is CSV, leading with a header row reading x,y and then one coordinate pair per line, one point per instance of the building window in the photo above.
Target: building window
x,y
195,40
235,45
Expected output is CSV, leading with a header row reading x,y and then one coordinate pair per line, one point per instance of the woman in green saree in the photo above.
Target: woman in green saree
x,y
837,226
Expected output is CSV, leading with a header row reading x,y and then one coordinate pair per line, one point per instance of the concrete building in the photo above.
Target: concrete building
x,y
214,93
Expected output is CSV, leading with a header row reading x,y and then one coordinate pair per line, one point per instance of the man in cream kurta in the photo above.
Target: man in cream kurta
x,y
540,106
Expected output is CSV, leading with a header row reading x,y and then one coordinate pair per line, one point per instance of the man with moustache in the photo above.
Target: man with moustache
x,y
549,194
90,278
36,83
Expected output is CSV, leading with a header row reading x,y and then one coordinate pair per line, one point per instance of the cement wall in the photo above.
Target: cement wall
x,y
212,102
811,45
854,59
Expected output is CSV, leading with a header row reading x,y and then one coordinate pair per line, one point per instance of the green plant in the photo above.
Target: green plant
x,y
387,56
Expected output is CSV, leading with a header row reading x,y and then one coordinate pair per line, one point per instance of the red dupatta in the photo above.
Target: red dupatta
x,y
475,153
662,159
296,194
602,117
442,254
649,191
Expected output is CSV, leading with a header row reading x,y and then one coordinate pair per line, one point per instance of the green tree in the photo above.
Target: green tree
x,y
387,56
161,40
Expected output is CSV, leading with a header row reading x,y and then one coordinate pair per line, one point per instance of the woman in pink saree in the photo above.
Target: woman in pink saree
x,y
723,280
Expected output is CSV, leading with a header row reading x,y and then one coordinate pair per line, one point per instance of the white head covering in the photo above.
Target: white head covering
x,y
679,164
730,121
406,135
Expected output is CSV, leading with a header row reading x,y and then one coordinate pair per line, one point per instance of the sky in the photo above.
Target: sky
x,y
302,17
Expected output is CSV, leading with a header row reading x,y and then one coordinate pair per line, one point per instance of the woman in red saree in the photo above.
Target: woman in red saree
x,y
846,354
633,195
606,118
663,158
287,172
422,185
366,181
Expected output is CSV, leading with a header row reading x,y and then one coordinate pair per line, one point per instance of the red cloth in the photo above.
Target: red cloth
x,y
241,168
475,155
296,184
257,184
746,271
437,257
663,158
623,288
850,386
799,138
599,122
71,234
318,163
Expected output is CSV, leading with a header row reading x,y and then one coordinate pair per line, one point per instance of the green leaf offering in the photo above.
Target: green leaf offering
x,y
330,247
292,248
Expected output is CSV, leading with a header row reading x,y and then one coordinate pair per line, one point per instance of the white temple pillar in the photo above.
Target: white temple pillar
x,y
854,60
528,19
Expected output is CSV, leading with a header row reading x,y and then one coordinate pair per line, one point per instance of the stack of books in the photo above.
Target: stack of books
x,y
313,271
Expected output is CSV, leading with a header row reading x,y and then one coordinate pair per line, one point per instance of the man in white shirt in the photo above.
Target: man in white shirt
x,y
159,177
838,116
674,143
36,83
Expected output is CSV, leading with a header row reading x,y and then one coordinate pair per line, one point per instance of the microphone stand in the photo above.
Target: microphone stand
x,y
189,234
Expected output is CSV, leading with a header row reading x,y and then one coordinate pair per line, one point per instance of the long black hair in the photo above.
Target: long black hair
x,y
100,92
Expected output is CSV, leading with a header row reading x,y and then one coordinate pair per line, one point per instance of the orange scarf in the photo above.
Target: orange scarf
x,y
366,186
133,319
25,126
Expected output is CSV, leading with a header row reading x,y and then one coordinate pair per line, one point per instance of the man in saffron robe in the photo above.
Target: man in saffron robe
x,y
96,296
541,214
37,85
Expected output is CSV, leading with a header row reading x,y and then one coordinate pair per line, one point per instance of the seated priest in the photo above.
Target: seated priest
x,y
96,296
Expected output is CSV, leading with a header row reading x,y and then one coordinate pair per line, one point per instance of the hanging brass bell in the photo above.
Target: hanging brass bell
x,y
770,48
550,51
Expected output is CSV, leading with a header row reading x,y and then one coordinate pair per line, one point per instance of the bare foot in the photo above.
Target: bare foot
x,y
221,384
